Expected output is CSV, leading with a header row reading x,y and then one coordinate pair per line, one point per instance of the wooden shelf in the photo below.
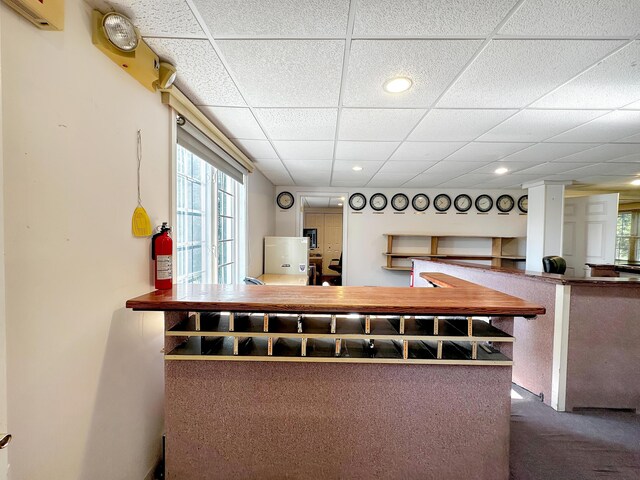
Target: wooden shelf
x,y
343,338
496,256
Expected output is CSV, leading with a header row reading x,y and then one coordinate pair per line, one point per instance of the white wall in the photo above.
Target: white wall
x,y
85,375
3,344
365,241
261,219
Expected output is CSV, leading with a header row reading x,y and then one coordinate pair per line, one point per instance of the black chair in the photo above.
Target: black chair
x,y
554,264
252,281
337,267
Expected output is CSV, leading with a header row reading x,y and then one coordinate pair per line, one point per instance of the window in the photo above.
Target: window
x,y
627,243
209,230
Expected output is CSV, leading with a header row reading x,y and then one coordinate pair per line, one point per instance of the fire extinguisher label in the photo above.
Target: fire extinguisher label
x,y
164,267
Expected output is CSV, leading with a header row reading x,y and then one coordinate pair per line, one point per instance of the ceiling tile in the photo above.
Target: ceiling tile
x,y
485,152
551,168
389,179
405,167
514,73
513,167
235,122
582,18
538,125
269,164
511,181
275,18
257,148
377,124
427,151
304,149
612,83
453,169
298,123
425,180
311,179
458,125
432,17
633,106
608,128
346,166
470,180
286,73
631,139
609,168
349,183
365,151
201,75
546,152
431,64
172,18
601,153
308,165
278,178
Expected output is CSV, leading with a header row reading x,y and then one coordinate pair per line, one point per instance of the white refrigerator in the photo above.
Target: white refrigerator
x,y
286,255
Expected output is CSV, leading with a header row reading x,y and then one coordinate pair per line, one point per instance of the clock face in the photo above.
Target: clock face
x,y
442,202
285,200
357,201
399,202
420,202
523,203
462,203
484,203
505,203
378,201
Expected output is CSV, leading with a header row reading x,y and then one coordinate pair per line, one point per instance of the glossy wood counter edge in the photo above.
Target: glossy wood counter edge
x,y
631,282
464,299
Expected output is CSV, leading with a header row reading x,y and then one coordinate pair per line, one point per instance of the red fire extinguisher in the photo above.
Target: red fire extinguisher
x,y
161,252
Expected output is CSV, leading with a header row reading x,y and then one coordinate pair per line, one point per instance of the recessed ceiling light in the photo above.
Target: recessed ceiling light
x,y
501,170
356,168
339,204
397,85
636,181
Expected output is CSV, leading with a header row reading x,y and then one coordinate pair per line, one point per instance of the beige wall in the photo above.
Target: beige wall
x,y
85,383
3,345
261,219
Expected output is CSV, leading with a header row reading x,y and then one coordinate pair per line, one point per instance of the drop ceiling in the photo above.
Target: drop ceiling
x,y
548,88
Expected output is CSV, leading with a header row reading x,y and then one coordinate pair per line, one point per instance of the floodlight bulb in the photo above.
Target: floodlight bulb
x,y
120,31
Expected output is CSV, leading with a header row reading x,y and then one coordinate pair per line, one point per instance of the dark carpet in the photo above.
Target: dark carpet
x,y
584,445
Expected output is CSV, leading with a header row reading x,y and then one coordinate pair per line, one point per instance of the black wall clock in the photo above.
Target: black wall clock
x,y
378,201
484,203
523,203
463,202
357,201
442,202
420,202
285,200
400,202
505,203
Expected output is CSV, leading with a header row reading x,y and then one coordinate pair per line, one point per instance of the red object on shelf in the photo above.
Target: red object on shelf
x,y
162,254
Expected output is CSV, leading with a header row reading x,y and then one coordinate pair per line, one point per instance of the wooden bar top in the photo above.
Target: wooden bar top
x,y
631,282
457,298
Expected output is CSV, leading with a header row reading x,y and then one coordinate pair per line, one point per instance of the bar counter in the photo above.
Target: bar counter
x,y
336,382
583,352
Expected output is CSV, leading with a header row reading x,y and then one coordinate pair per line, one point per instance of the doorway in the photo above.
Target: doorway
x,y
322,220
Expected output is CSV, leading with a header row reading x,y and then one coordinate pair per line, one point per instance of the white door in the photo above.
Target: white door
x,y
589,231
333,239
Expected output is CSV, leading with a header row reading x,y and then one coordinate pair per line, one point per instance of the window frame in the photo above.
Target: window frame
x,y
239,223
